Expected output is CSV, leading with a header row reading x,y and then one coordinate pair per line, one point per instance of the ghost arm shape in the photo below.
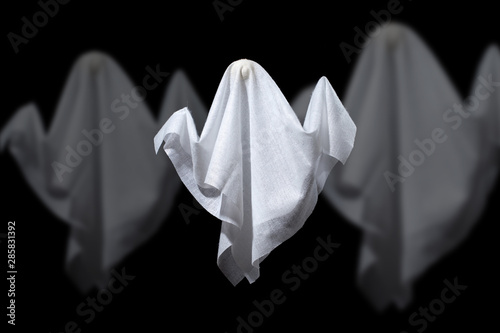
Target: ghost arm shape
x,y
112,191
254,166
412,204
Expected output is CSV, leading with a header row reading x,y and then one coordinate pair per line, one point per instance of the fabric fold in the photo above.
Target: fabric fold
x,y
254,166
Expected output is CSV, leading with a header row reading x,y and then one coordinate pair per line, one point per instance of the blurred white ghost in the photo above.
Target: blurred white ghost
x,y
414,183
95,168
255,167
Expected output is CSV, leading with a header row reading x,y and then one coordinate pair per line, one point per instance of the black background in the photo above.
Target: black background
x,y
177,284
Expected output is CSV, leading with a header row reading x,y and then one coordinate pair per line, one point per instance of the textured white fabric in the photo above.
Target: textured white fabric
x,y
254,166
116,197
399,93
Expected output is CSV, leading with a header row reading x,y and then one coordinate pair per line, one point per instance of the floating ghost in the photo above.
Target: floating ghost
x,y
254,166
415,182
94,169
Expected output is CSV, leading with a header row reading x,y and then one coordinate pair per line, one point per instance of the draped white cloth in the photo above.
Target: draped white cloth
x,y
416,182
95,168
254,166
420,173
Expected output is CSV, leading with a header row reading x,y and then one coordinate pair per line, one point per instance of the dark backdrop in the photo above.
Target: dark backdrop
x,y
177,284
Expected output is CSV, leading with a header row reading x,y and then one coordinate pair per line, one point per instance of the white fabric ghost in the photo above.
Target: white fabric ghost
x,y
94,169
254,166
414,183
